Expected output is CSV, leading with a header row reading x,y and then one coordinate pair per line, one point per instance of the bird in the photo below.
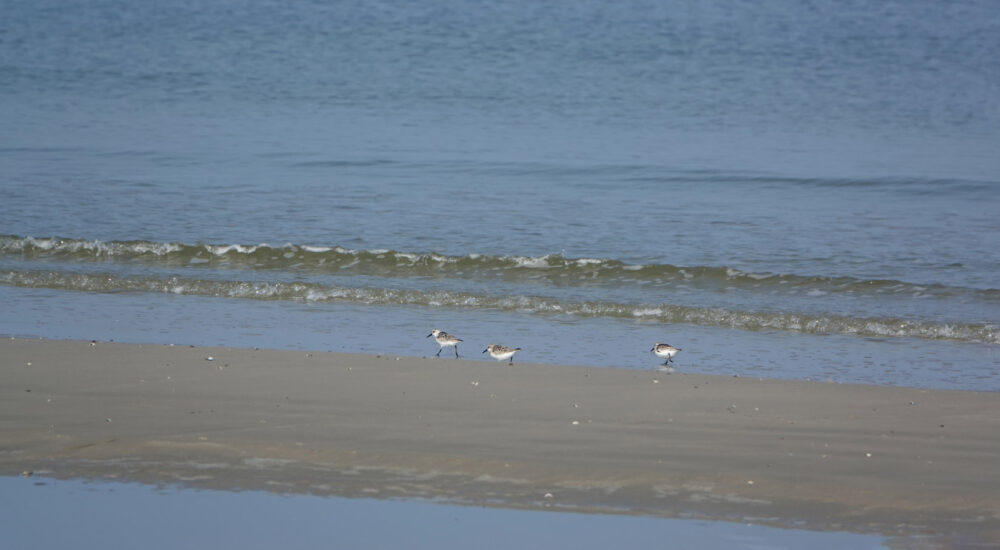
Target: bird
x,y
500,353
665,351
444,340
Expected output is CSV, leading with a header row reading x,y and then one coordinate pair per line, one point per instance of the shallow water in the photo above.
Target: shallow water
x,y
43,513
389,330
789,190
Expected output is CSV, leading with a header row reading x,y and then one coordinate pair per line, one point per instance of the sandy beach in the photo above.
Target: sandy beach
x,y
818,455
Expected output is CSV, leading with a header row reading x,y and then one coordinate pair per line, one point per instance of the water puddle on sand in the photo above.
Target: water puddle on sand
x,y
44,513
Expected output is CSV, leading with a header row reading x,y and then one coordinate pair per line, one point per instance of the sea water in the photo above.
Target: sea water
x,y
781,189
44,513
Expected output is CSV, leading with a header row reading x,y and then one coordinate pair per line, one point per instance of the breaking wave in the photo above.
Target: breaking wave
x,y
550,268
663,313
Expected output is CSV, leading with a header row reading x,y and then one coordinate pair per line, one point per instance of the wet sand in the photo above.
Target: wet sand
x,y
897,461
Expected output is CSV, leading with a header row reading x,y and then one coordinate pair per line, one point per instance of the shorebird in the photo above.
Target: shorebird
x,y
444,340
500,353
665,351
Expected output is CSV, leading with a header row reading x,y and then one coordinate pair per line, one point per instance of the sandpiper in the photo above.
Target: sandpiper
x,y
500,353
665,351
444,340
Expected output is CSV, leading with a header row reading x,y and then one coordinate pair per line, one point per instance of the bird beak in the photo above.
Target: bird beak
x,y
431,334
485,350
652,348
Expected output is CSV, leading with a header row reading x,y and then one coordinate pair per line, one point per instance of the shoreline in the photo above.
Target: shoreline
x,y
817,455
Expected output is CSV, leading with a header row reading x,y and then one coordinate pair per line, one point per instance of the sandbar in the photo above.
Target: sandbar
x,y
808,454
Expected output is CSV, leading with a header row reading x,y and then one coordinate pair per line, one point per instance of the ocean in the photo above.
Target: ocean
x,y
782,189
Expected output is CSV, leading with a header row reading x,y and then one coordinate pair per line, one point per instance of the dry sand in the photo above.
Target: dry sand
x,y
896,461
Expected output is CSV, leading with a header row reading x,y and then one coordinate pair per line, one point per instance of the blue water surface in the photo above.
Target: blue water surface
x,y
828,144
42,514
